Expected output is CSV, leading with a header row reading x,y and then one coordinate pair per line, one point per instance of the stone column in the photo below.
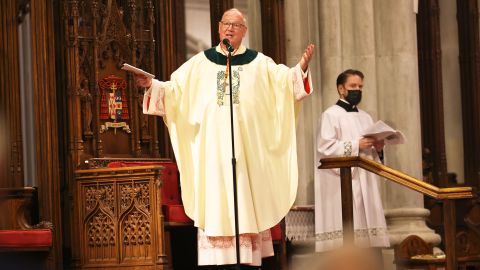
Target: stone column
x,y
379,38
399,106
301,29
347,41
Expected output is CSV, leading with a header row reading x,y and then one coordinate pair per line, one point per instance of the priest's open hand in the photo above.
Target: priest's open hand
x,y
306,57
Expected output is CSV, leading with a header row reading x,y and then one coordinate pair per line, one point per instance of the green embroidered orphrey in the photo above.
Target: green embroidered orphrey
x,y
222,86
237,62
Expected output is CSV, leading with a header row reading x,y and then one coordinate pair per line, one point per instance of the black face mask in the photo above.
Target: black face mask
x,y
354,96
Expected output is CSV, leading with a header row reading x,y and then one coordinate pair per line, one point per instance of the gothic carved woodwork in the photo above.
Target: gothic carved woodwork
x,y
414,253
101,35
95,38
411,246
468,243
469,50
120,220
98,36
468,237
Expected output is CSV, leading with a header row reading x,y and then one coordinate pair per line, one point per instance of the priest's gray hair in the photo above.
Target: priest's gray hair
x,y
237,11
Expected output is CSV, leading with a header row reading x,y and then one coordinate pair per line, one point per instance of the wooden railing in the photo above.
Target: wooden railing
x,y
447,195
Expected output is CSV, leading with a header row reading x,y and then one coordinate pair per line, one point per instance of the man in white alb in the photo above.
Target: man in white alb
x,y
340,135
196,108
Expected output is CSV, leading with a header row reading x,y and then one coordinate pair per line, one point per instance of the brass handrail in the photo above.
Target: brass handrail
x,y
397,177
447,195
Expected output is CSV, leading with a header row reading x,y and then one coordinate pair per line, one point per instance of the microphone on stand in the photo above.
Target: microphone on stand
x,y
230,49
227,44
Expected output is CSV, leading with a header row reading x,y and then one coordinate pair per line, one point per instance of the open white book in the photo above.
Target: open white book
x,y
381,131
136,70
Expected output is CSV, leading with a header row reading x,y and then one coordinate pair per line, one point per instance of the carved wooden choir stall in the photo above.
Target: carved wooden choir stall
x,y
24,243
119,216
112,216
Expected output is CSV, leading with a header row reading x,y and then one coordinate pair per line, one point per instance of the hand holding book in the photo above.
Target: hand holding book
x,y
137,71
383,132
142,78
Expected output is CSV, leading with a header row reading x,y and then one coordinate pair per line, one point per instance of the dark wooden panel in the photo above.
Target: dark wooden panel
x,y
412,246
171,53
431,95
449,223
10,112
170,34
468,236
217,8
469,49
72,143
273,29
45,105
347,205
18,208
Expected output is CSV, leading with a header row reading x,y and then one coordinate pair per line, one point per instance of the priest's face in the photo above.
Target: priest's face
x,y
354,82
232,27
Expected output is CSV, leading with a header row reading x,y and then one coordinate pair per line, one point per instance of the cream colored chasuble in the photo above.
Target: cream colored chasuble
x,y
195,105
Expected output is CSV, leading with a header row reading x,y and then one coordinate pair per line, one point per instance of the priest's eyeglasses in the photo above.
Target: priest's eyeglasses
x,y
233,25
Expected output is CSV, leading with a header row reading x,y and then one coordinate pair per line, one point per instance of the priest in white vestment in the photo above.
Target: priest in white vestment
x,y
195,106
340,135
